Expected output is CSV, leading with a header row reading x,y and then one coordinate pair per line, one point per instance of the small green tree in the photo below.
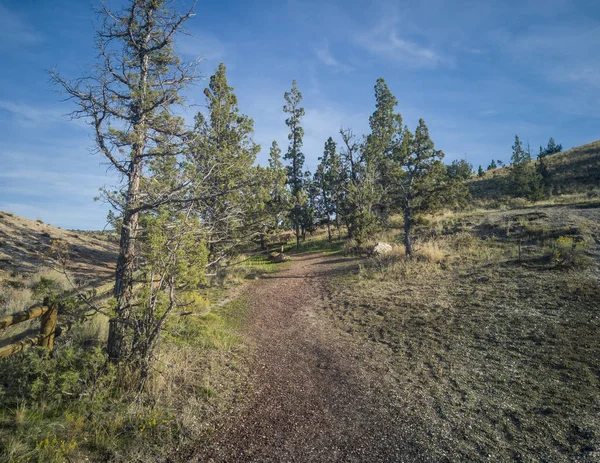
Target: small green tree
x,y
542,169
325,179
480,172
552,147
295,157
525,180
492,165
361,191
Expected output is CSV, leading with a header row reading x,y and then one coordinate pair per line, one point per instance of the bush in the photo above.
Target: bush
x,y
567,252
593,194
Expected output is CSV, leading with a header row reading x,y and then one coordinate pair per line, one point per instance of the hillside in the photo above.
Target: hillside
x,y
573,171
25,247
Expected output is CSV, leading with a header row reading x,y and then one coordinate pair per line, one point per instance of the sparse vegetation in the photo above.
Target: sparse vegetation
x,y
492,354
388,307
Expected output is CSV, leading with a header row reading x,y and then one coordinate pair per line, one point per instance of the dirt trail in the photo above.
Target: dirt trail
x,y
313,398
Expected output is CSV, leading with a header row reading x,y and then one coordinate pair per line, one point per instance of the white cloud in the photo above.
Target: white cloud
x,y
385,42
325,56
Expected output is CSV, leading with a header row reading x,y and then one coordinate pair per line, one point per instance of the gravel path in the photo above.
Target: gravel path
x,y
314,398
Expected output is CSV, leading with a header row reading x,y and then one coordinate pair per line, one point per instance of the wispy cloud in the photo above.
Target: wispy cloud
x,y
36,116
565,54
385,42
326,57
14,31
198,45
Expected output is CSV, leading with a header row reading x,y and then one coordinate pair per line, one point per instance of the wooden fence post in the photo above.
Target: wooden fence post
x,y
48,328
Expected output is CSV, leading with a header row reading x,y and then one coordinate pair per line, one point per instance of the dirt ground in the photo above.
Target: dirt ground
x,y
314,397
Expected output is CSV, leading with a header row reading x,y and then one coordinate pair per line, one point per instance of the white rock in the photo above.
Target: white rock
x,y
381,248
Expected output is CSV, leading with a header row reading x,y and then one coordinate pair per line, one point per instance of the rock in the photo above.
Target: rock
x,y
277,257
381,248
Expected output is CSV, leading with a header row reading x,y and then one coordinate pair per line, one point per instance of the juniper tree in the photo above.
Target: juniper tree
x,y
460,169
128,101
224,154
480,172
326,179
276,203
361,191
542,169
295,157
425,185
382,141
525,180
552,147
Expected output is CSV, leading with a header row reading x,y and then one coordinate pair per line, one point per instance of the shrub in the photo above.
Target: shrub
x,y
593,194
567,252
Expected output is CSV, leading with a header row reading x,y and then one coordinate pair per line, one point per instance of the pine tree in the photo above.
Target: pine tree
x,y
278,193
360,191
295,157
552,147
480,171
492,165
460,169
129,101
426,185
326,178
225,153
381,143
525,180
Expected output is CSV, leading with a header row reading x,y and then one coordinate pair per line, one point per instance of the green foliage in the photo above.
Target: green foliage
x,y
424,186
492,165
295,157
525,180
460,170
567,252
380,147
361,197
480,172
552,147
223,154
35,375
329,181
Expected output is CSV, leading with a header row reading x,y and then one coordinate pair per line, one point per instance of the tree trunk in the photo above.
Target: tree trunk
x,y
263,245
407,228
329,230
123,291
297,236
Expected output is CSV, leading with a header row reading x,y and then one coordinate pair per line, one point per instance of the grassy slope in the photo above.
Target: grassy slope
x,y
573,171
25,247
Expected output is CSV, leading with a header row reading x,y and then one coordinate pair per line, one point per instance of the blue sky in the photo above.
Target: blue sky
x,y
478,72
